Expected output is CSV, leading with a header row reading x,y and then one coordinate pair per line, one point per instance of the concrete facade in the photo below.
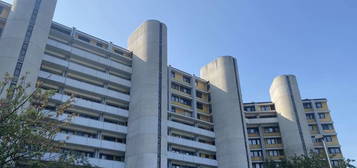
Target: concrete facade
x,y
24,37
134,110
285,95
148,100
227,107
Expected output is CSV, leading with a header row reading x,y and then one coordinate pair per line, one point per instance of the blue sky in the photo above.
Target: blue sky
x,y
315,40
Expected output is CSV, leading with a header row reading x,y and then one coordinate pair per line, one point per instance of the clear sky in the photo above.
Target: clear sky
x,y
315,40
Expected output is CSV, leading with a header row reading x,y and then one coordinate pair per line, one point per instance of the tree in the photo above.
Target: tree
x,y
27,130
313,160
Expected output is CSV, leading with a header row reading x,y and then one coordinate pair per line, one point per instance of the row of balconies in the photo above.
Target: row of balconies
x,y
95,124
95,44
97,161
186,80
190,121
273,134
90,142
93,105
191,143
200,96
104,92
87,56
191,159
267,146
87,71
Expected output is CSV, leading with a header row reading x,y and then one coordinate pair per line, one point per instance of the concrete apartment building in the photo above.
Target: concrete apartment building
x,y
135,111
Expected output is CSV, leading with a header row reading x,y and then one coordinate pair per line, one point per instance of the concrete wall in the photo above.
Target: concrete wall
x,y
284,93
148,103
229,124
19,39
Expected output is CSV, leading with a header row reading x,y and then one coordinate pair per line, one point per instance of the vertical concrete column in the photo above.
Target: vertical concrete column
x,y
284,93
262,141
227,109
24,38
194,101
146,139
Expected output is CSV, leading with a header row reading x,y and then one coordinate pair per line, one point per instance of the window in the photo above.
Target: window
x,y
313,127
174,165
334,150
272,107
310,116
322,115
186,79
252,130
249,108
186,90
257,153
181,100
79,133
118,51
318,105
254,141
173,75
258,165
84,38
78,152
199,94
111,157
335,162
68,32
185,152
175,86
275,152
273,141
99,45
173,109
113,139
328,138
327,126
271,129
199,105
180,88
1,9
265,108
307,105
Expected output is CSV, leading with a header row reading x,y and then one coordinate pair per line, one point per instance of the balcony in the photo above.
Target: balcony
x,y
274,146
92,105
276,157
90,142
84,86
255,134
181,105
190,143
89,56
96,124
262,120
271,134
106,163
190,129
257,158
87,71
191,159
183,94
255,146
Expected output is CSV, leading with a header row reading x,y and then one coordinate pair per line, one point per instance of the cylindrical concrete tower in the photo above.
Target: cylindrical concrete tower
x,y
146,139
227,108
24,38
284,93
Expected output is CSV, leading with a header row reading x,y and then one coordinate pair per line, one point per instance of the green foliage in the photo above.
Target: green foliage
x,y
313,160
27,130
